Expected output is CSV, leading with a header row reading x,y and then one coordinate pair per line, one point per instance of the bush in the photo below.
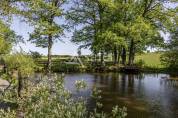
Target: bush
x,y
49,98
170,59
20,62
140,63
21,66
62,67
35,55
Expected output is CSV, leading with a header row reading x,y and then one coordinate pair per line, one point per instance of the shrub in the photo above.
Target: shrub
x,y
20,62
49,98
170,59
22,66
62,67
35,55
140,63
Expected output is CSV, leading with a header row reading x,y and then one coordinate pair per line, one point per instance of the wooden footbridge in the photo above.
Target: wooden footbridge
x,y
130,69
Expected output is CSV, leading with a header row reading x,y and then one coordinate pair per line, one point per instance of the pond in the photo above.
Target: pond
x,y
144,95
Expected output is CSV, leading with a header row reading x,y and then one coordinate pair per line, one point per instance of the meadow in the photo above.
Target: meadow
x,y
150,59
147,60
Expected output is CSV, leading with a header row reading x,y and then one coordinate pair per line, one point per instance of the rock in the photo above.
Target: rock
x,y
3,84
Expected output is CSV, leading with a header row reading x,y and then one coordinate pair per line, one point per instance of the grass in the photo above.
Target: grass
x,y
150,59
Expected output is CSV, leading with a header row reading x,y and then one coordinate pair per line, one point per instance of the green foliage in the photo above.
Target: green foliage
x,y
62,67
150,59
7,38
11,79
41,15
8,114
20,62
35,54
108,26
4,47
140,63
119,113
49,98
170,57
7,9
80,85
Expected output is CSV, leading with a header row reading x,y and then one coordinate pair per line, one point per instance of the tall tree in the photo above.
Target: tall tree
x,y
154,18
85,15
141,21
44,15
8,38
89,15
121,27
170,56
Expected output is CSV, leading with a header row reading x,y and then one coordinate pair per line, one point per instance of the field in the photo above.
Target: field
x,y
150,59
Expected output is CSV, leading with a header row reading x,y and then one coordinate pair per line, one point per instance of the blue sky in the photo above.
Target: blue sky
x,y
59,48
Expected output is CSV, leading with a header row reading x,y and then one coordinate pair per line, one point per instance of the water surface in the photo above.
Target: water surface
x,y
144,95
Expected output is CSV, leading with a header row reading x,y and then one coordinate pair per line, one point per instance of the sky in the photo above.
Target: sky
x,y
64,47
59,48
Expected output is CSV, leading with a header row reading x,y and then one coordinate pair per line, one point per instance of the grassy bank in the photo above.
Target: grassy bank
x,y
150,62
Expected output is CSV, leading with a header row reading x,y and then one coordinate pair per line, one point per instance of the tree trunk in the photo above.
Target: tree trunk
x,y
50,40
115,55
102,59
20,84
94,61
97,57
119,55
131,53
123,55
94,58
49,54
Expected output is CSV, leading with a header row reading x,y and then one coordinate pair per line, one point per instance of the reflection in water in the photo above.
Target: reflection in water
x,y
144,95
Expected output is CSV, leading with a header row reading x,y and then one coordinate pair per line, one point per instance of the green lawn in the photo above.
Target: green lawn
x,y
151,59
